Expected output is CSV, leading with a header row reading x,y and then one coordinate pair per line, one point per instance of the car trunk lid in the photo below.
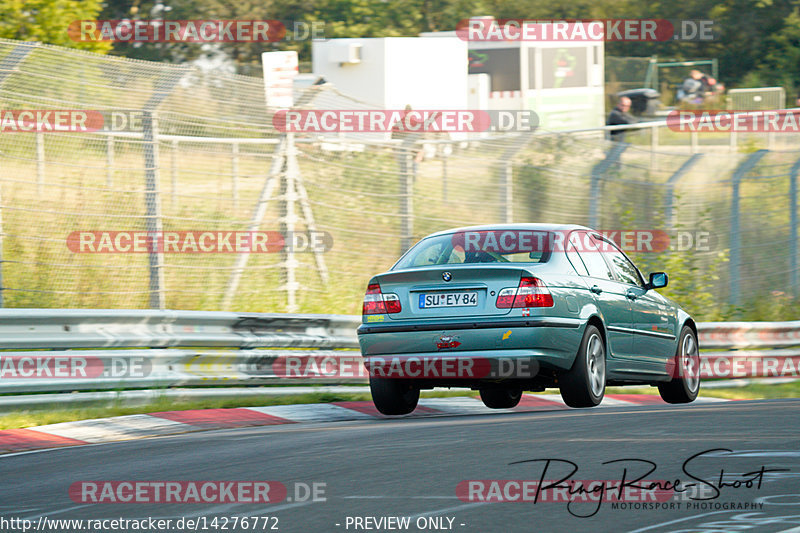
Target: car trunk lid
x,y
450,290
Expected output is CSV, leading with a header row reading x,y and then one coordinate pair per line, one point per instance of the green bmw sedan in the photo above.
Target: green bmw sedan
x,y
510,308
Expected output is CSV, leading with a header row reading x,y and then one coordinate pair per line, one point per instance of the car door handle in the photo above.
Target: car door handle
x,y
632,295
595,289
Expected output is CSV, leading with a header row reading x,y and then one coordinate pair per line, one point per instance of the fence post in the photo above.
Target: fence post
x,y
235,175
109,160
793,173
2,287
288,223
508,192
275,170
14,59
653,148
162,89
597,175
406,193
39,161
669,205
173,173
153,211
9,65
738,174
444,178
505,164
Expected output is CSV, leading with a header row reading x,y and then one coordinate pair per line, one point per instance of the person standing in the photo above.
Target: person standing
x,y
618,116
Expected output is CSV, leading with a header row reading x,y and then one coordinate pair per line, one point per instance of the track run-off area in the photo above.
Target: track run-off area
x,y
713,466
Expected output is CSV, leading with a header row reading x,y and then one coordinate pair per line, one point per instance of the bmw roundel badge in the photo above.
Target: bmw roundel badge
x,y
447,276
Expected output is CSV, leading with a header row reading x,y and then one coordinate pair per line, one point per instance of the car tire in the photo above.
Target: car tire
x,y
685,385
501,398
393,396
584,385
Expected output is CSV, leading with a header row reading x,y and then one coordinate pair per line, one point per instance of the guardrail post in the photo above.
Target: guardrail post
x,y
153,209
738,174
793,173
597,175
672,182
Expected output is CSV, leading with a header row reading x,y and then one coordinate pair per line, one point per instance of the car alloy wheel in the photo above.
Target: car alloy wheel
x,y
584,385
596,363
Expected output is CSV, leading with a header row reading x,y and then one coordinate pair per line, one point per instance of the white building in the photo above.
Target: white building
x,y
391,72
562,81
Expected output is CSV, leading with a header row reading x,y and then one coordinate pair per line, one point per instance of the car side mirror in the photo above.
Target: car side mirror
x,y
657,280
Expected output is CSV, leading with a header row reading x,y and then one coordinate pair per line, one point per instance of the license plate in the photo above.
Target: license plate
x,y
448,299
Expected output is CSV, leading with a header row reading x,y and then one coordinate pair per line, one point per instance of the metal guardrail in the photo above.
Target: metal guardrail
x,y
71,329
82,350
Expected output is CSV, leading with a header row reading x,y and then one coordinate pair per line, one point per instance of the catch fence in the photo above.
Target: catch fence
x,y
205,157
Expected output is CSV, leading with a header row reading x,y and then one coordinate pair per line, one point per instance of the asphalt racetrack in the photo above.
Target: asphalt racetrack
x,y
367,471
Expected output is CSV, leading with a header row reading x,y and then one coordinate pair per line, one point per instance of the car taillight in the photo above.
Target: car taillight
x,y
531,292
378,303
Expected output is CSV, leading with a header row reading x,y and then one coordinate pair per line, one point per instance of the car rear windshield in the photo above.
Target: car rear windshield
x,y
485,246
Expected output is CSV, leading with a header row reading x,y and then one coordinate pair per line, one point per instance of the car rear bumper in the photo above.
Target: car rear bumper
x,y
431,325
497,349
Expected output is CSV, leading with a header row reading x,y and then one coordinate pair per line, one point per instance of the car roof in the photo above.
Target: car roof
x,y
517,226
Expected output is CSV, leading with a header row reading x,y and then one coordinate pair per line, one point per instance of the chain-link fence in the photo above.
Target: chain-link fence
x,y
623,73
206,158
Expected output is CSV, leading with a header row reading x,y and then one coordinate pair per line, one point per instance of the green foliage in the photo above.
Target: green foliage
x,y
693,275
693,284
755,37
47,21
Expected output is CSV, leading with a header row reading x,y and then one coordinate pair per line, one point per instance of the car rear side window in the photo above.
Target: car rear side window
x,y
575,259
625,270
593,258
